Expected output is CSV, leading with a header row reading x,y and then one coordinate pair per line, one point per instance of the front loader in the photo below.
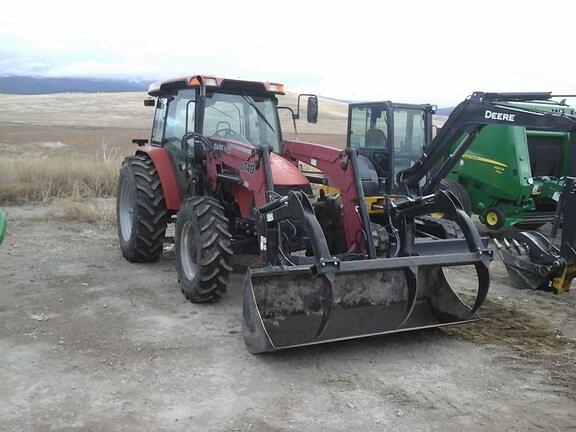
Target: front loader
x,y
217,165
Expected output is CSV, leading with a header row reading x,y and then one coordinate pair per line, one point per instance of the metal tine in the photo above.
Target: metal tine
x,y
526,249
498,244
519,247
507,244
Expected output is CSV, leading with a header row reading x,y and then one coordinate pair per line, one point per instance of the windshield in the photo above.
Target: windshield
x,y
249,119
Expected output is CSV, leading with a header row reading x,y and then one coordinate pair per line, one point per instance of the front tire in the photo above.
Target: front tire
x,y
141,212
202,249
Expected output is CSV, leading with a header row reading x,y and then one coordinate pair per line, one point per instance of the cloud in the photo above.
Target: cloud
x,y
416,51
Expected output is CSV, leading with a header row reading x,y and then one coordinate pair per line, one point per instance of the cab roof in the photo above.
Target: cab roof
x,y
228,85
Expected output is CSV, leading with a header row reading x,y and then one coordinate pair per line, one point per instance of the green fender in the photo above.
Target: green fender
x,y
2,226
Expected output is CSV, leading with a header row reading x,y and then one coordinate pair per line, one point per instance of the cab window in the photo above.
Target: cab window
x,y
409,137
180,118
369,127
158,126
244,118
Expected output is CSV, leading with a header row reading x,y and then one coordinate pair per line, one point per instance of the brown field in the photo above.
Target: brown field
x,y
69,146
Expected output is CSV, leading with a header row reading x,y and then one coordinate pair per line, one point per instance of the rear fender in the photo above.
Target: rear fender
x,y
165,168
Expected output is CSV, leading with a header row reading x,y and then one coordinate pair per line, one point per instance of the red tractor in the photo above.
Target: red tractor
x,y
217,163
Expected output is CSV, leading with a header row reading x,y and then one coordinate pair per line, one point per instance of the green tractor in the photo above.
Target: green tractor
x,y
512,174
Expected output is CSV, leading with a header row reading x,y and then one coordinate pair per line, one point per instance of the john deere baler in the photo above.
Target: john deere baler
x,y
512,174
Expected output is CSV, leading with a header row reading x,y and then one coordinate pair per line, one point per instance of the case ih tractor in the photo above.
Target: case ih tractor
x,y
216,161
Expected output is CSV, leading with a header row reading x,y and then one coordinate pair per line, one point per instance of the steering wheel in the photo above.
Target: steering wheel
x,y
228,133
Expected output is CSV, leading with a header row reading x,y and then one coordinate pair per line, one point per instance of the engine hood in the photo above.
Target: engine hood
x,y
284,173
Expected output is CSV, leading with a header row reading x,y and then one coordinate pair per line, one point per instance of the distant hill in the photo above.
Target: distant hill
x,y
36,85
444,111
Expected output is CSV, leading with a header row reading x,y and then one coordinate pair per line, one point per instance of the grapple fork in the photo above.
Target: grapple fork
x,y
325,298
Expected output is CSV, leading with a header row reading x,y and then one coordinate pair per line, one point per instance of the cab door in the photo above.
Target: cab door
x,y
369,131
411,132
179,120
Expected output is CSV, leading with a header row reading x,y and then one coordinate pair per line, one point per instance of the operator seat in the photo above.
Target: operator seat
x,y
375,138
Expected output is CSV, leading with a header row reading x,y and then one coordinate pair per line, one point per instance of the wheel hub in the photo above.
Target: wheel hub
x,y
127,199
492,218
188,253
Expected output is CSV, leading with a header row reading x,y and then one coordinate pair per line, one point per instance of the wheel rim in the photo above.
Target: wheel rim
x,y
188,255
126,212
492,218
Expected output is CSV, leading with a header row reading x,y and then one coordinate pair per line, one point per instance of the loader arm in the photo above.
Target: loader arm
x,y
466,121
339,168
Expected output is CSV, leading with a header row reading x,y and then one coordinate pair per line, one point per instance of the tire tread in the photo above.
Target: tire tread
x,y
152,216
215,253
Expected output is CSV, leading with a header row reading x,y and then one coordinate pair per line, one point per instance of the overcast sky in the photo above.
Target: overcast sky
x,y
410,51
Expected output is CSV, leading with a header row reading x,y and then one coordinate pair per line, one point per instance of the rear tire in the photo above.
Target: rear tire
x,y
202,249
141,212
460,192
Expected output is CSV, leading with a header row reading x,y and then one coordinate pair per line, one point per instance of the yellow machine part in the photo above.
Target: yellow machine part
x,y
374,204
329,190
563,283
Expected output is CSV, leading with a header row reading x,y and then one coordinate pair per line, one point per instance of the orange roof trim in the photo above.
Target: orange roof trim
x,y
157,88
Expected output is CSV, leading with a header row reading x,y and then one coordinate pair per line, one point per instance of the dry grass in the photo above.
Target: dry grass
x,y
44,178
101,212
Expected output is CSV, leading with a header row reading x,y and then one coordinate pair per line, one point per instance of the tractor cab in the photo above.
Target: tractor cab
x,y
236,113
389,138
233,110
242,111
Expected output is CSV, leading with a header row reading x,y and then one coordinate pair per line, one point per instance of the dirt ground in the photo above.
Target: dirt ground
x,y
91,342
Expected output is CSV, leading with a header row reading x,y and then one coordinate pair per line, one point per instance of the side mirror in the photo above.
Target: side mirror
x,y
149,102
312,110
140,141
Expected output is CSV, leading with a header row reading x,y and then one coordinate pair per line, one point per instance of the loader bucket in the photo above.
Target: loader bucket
x,y
293,306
